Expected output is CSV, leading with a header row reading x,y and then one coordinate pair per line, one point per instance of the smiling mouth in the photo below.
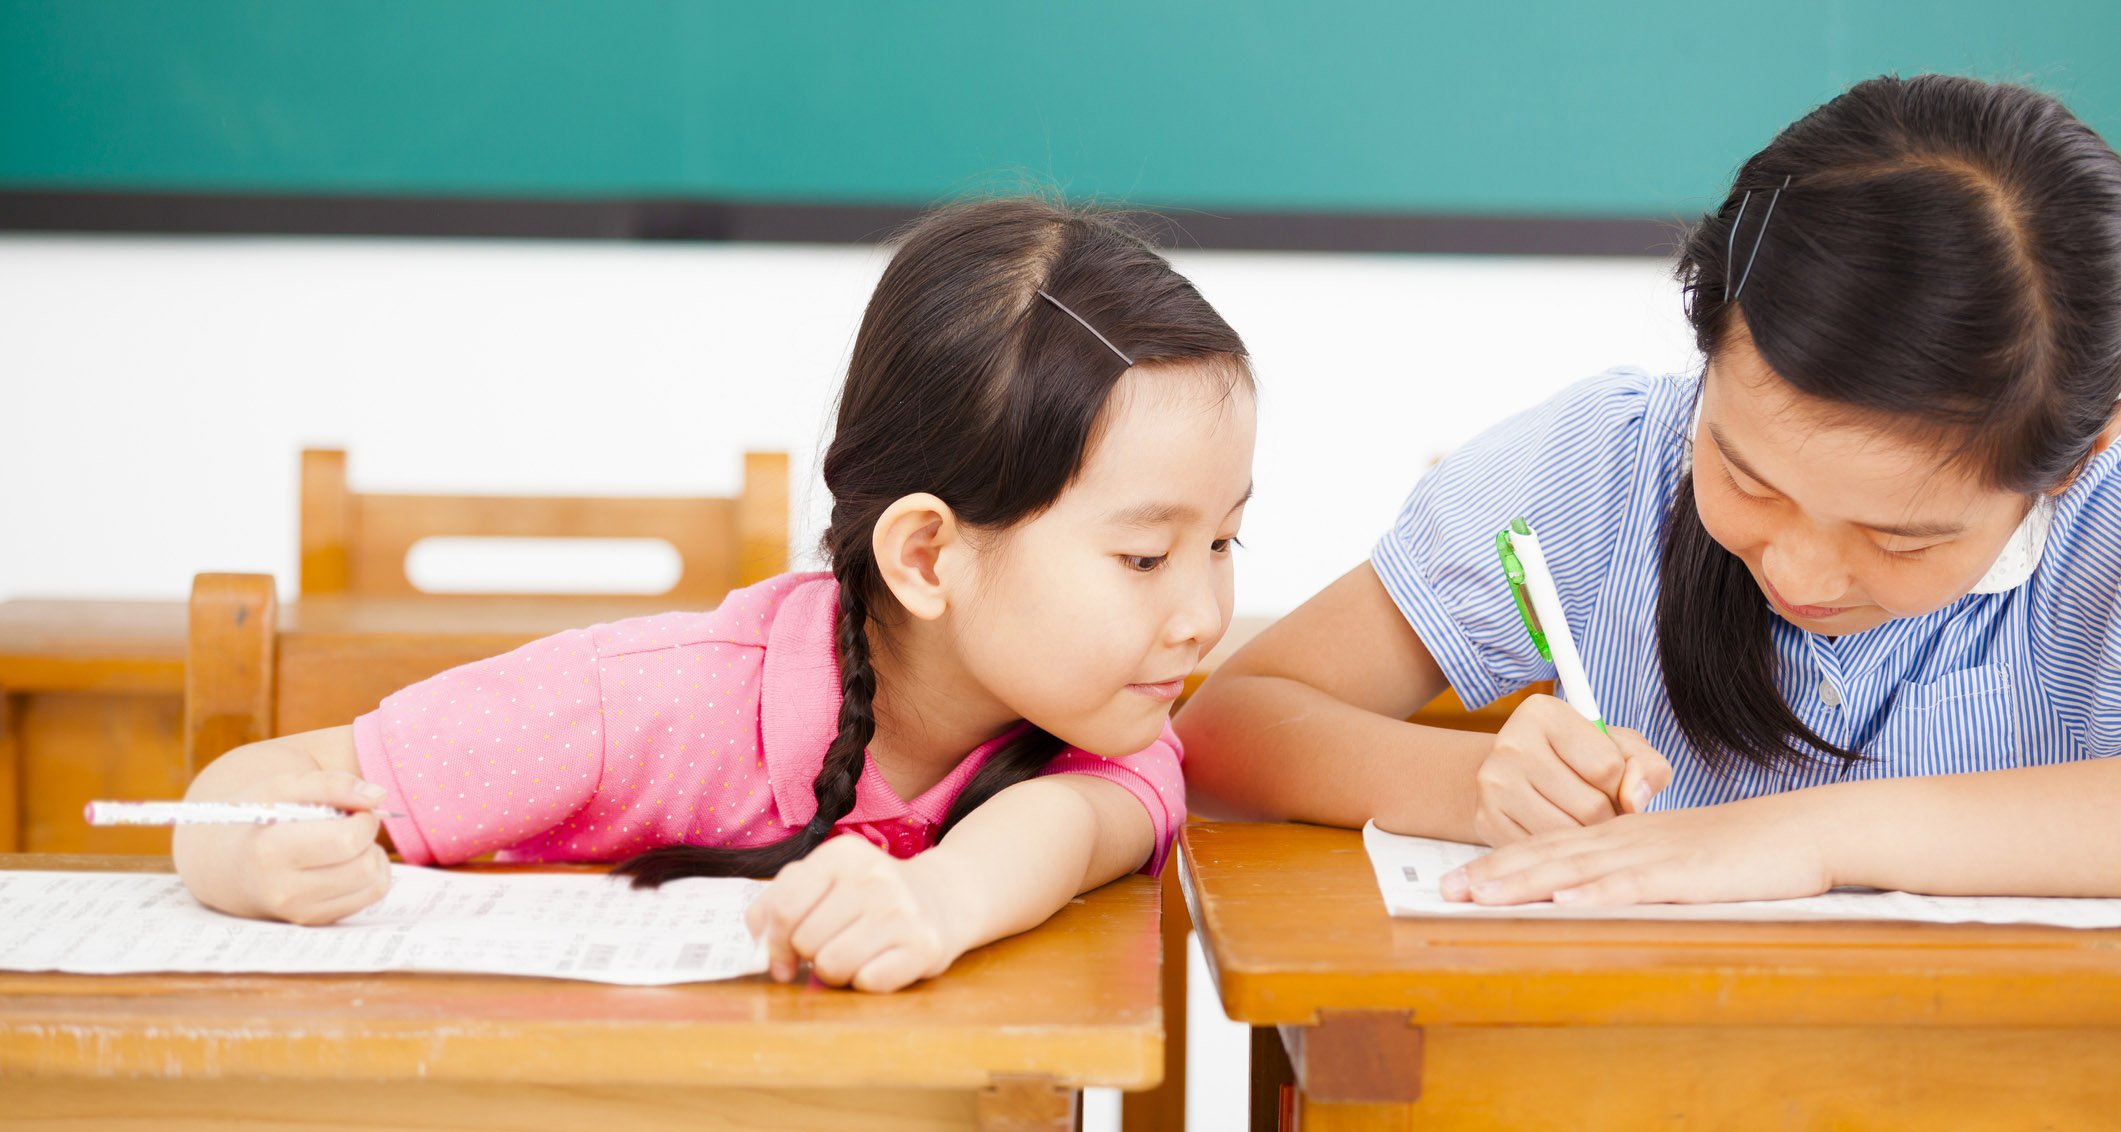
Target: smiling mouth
x,y
1806,612
1163,690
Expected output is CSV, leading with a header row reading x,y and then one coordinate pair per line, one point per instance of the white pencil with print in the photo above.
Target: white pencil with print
x,y
214,813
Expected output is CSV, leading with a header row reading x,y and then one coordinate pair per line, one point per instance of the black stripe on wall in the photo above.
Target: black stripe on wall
x,y
200,214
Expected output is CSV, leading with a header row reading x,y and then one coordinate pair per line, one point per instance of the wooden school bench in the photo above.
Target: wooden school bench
x,y
1376,1022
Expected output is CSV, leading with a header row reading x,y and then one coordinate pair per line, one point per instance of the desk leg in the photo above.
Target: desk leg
x,y
1272,1079
10,777
1029,1103
1163,1108
1348,1061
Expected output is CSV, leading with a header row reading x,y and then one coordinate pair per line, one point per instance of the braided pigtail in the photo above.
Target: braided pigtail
x,y
836,780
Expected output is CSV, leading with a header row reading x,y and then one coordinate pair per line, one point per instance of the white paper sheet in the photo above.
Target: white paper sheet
x,y
561,925
1408,869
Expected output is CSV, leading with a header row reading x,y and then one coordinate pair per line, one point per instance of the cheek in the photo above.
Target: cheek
x,y
1052,614
1739,528
1912,587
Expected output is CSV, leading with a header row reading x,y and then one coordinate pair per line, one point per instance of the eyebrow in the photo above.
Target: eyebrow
x,y
1901,530
1157,514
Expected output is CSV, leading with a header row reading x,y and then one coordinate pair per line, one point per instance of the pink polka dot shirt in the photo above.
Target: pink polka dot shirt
x,y
682,728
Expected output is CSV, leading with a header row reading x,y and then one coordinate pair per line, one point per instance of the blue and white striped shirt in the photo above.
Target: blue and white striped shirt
x,y
1990,681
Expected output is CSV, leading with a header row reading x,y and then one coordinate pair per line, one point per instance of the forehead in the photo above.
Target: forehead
x,y
1819,452
1175,429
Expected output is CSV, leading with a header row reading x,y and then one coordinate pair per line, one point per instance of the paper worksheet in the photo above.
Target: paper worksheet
x,y
1408,869
562,925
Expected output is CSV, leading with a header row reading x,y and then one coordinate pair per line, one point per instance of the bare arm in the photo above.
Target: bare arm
x,y
306,872
1030,849
1307,722
2035,831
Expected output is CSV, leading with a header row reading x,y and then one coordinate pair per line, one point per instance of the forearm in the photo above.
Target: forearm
x,y
1274,748
1030,849
2036,831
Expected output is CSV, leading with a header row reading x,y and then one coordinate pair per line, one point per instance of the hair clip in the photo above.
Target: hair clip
x,y
1086,326
1730,243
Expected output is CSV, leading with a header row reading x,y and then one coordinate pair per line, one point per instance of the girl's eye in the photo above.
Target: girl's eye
x,y
1143,563
1223,545
1914,552
1735,485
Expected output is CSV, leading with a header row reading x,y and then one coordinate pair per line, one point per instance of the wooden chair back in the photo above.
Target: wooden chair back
x,y
248,676
356,542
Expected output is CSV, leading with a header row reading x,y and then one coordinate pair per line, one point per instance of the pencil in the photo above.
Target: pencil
x,y
209,813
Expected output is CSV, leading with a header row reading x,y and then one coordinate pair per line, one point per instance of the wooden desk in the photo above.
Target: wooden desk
x,y
1002,1041
1434,1024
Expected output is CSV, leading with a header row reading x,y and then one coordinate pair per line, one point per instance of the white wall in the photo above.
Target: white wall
x,y
155,391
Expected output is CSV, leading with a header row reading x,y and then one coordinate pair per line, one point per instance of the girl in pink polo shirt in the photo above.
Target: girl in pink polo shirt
x,y
1043,452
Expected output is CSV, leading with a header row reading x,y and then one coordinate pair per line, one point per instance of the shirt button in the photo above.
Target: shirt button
x,y
1827,694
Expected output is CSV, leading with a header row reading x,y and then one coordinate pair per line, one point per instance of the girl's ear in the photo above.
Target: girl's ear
x,y
916,542
2107,436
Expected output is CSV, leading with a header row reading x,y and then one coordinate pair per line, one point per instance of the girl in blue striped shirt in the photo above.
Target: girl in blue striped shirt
x,y
1851,597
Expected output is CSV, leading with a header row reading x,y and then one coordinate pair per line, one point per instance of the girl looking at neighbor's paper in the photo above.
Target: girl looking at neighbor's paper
x,y
1850,597
1042,455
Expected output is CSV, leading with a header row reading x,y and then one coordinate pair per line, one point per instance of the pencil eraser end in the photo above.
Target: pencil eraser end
x,y
88,812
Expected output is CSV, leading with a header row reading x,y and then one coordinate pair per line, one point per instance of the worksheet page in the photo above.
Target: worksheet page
x,y
559,925
1408,869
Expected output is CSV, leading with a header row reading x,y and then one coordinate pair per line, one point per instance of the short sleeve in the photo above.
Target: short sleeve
x,y
488,754
1572,469
2076,607
1152,775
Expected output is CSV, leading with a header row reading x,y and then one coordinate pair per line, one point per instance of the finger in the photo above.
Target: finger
x,y
1456,884
324,788
319,844
1515,857
848,952
1577,802
831,916
1648,771
326,895
890,970
1636,885
1590,753
783,905
1542,878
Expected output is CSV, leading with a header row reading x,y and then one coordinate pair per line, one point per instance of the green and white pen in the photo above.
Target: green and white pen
x,y
1539,603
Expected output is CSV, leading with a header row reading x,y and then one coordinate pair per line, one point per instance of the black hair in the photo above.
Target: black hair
x,y
967,384
1946,260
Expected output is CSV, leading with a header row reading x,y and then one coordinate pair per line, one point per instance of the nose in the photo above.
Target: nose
x,y
1805,569
1201,613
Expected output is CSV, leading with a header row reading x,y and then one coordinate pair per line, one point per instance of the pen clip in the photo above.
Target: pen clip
x,y
1513,569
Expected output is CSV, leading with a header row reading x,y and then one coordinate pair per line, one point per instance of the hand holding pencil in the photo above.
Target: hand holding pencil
x,y
284,829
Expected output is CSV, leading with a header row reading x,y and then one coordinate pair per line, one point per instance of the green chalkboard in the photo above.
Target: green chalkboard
x,y
1640,108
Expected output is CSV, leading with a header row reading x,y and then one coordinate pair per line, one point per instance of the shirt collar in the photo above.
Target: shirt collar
x,y
799,710
799,696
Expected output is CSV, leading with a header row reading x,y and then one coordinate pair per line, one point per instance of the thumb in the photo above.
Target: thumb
x,y
1646,774
328,788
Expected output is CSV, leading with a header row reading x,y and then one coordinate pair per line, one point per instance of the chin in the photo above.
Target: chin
x,y
1114,743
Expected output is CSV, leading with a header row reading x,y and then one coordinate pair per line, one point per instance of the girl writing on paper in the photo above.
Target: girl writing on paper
x,y
1850,597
